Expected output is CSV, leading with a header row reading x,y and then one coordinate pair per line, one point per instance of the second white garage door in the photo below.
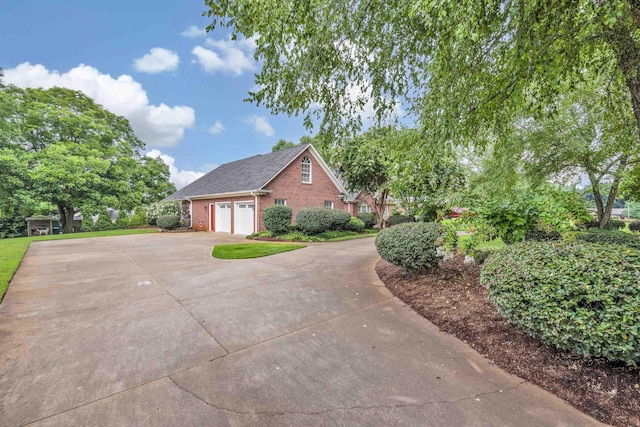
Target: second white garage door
x,y
243,218
222,217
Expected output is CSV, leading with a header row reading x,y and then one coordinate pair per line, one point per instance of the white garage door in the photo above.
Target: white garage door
x,y
222,217
243,218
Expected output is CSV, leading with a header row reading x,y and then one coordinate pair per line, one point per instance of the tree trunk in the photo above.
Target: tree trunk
x,y
66,218
597,198
614,191
379,204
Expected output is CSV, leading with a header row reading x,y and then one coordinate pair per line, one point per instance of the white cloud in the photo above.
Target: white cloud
x,y
179,177
260,125
154,124
227,56
217,128
193,32
157,60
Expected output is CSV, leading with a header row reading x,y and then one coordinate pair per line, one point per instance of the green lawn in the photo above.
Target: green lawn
x,y
252,250
496,243
12,250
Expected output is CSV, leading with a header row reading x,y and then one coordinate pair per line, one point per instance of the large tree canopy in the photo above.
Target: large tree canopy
x,y
459,66
63,148
585,137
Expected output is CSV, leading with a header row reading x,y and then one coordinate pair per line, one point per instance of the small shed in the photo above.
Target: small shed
x,y
40,224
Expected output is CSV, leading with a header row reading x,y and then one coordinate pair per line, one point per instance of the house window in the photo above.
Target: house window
x,y
328,205
306,170
281,202
364,208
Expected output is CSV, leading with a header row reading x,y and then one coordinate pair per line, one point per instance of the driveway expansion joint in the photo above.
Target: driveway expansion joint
x,y
344,409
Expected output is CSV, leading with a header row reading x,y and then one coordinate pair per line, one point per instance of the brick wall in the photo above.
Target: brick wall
x,y
201,209
288,185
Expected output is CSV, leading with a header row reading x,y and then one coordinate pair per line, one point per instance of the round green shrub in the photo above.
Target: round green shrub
x,y
340,219
355,224
277,218
138,218
369,219
634,226
168,222
612,237
103,222
399,219
314,220
579,297
411,246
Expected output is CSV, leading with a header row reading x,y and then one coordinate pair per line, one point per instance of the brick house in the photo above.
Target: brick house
x,y
232,197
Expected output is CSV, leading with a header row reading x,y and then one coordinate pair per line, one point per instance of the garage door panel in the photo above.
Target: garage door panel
x,y
243,218
222,217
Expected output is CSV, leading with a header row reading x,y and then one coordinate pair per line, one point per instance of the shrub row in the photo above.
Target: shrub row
x,y
634,226
369,219
277,218
580,297
399,219
612,237
411,246
168,222
316,220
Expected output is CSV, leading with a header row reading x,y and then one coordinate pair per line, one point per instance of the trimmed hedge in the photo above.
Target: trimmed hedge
x,y
314,220
369,219
340,219
634,226
399,219
578,297
355,224
612,237
411,246
168,222
277,218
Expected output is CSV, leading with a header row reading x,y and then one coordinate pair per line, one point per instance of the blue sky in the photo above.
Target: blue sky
x,y
151,62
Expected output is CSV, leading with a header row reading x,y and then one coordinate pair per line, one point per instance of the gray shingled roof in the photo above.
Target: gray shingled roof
x,y
247,174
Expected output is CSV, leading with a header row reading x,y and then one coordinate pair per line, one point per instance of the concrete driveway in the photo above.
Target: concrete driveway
x,y
150,330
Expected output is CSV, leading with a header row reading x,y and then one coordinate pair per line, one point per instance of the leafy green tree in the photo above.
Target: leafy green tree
x,y
66,149
460,66
364,163
582,137
282,144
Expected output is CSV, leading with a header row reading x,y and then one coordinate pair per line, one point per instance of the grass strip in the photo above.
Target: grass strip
x,y
252,250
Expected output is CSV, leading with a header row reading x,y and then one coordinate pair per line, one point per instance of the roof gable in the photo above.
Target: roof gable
x,y
244,175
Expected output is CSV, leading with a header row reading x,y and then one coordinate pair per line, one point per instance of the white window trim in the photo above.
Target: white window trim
x,y
284,200
310,170
367,209
330,203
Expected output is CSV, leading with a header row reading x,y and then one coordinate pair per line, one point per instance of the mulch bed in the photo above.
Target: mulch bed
x,y
452,298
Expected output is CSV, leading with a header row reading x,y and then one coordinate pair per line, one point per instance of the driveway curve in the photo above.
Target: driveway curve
x,y
151,330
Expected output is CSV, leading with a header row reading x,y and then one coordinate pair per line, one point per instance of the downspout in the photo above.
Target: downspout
x,y
190,212
255,212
